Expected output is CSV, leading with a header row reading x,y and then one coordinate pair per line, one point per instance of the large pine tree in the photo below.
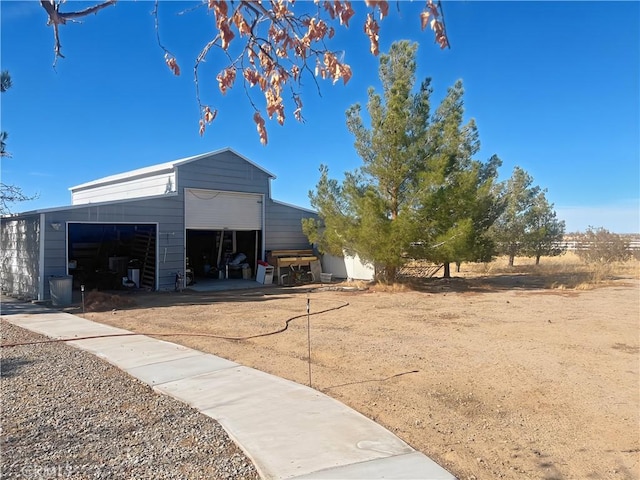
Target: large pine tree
x,y
369,214
456,193
418,188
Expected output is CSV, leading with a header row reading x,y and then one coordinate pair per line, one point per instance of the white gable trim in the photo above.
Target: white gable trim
x,y
161,168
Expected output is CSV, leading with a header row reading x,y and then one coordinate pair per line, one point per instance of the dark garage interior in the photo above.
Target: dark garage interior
x,y
209,252
102,255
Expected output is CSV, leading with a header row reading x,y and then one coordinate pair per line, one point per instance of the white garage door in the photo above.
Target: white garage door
x,y
215,210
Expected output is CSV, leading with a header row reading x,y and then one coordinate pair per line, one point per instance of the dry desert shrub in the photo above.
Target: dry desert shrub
x,y
96,301
353,284
561,272
391,287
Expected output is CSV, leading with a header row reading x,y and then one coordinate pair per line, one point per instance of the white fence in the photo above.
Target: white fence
x,y
573,245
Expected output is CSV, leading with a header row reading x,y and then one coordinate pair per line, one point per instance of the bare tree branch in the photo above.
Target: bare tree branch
x,y
444,25
89,10
274,46
154,13
12,194
56,18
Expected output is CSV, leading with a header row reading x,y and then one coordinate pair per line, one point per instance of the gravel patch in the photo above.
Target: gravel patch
x,y
68,414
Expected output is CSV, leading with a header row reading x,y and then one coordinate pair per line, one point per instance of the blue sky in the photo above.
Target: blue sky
x,y
553,86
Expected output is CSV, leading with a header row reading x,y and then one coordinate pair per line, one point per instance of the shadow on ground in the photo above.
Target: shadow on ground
x,y
11,366
499,282
101,301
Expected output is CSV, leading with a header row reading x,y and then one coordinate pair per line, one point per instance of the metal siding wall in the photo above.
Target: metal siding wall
x,y
224,171
166,212
20,265
350,267
284,227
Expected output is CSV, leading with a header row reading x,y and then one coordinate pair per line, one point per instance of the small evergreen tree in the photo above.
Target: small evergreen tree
x,y
510,229
528,224
544,230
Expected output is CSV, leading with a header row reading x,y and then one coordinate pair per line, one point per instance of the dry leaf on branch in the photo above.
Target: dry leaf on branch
x,y
172,64
226,78
262,131
208,116
431,12
371,28
275,34
382,5
344,11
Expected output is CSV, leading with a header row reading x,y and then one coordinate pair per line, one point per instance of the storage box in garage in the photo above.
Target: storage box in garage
x,y
264,274
246,272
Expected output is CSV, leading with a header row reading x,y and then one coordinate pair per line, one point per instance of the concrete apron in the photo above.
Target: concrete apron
x,y
288,430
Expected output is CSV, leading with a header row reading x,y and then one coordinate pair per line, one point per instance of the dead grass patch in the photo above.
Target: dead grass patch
x,y
390,287
355,284
96,301
566,271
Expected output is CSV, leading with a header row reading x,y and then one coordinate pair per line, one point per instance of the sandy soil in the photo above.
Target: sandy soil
x,y
492,377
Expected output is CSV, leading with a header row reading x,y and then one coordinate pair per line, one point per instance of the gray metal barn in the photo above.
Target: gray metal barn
x,y
204,208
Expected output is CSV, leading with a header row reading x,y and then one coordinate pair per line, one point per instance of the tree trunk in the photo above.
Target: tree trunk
x,y
391,274
385,274
511,258
458,267
447,271
537,259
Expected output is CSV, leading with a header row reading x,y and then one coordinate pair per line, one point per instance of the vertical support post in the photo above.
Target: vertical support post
x,y
82,292
255,258
309,337
41,244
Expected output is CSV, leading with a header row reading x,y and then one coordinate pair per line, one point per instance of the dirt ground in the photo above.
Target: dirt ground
x,y
492,376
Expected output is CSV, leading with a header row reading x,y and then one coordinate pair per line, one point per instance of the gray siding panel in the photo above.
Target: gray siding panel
x,y
224,171
20,240
167,212
284,227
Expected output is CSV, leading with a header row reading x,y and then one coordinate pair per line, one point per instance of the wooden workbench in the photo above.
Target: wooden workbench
x,y
286,258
